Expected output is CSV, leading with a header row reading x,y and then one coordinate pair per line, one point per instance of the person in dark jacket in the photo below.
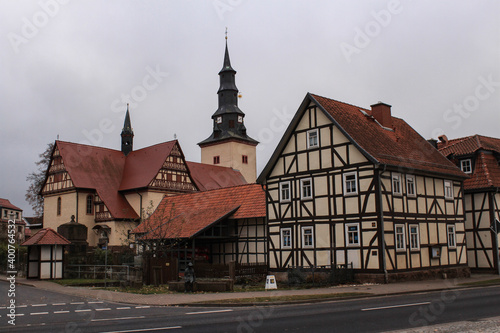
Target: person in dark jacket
x,y
189,278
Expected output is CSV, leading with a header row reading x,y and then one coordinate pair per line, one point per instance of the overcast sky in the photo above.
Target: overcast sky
x,y
68,69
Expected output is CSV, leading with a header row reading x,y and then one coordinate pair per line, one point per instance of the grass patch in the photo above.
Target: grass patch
x,y
144,290
83,282
287,298
481,283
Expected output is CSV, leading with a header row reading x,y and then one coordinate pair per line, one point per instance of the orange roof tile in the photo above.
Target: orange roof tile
x,y
46,237
210,177
486,150
186,215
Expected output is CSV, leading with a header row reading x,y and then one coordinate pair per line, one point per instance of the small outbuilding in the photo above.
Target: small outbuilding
x,y
45,254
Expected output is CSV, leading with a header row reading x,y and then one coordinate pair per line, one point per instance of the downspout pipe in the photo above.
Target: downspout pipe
x,y
382,228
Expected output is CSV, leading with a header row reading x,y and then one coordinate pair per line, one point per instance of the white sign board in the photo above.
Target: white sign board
x,y
271,282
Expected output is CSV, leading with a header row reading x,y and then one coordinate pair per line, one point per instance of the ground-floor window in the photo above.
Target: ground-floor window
x,y
452,243
286,238
307,237
352,234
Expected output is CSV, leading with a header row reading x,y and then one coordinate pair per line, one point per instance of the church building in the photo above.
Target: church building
x,y
111,191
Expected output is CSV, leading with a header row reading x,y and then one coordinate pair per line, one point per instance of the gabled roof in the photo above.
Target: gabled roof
x,y
211,177
142,166
399,147
100,169
469,145
46,237
486,150
5,203
186,215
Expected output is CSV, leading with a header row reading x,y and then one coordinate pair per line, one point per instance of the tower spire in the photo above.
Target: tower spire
x,y
127,135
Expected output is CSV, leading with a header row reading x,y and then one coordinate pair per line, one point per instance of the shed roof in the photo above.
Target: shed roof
x,y
186,215
46,236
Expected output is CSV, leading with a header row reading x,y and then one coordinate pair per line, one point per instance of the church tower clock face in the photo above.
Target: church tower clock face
x,y
219,120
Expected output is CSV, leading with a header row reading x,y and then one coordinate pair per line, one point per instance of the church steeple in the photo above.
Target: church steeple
x,y
229,145
127,135
228,119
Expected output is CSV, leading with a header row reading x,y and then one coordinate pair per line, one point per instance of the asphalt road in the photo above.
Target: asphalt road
x,y
41,311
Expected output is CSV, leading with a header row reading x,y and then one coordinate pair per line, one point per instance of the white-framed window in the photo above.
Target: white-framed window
x,y
352,234
240,119
410,186
307,237
306,188
452,240
350,183
414,237
396,183
448,189
285,192
466,165
399,234
219,120
286,238
312,139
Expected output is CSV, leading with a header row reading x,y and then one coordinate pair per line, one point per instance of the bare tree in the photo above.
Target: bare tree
x,y
37,179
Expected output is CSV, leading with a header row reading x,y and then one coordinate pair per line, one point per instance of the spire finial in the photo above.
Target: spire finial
x,y
127,106
226,33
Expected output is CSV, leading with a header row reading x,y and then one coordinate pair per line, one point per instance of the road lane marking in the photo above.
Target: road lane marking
x,y
64,311
124,308
121,318
103,309
59,304
84,310
38,313
38,304
76,303
143,307
147,329
95,302
21,306
395,306
213,311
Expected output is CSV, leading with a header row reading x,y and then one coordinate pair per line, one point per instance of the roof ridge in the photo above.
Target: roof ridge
x,y
335,100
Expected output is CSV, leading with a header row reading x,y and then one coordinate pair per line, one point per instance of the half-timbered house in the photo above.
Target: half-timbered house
x,y
479,157
353,185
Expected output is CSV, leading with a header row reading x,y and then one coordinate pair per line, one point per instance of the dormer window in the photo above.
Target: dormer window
x,y
466,165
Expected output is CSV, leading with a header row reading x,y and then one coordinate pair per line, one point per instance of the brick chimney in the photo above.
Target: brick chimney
x,y
382,113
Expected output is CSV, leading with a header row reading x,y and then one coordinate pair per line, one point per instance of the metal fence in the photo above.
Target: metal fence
x,y
321,275
112,272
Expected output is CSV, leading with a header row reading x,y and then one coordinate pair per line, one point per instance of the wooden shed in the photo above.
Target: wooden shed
x,y
45,254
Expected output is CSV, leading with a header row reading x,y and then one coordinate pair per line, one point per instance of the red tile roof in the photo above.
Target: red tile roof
x,y
5,203
46,237
100,169
142,165
469,145
486,150
399,147
186,215
211,177
403,147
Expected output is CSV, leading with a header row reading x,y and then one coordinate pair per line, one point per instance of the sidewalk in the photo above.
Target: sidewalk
x,y
218,298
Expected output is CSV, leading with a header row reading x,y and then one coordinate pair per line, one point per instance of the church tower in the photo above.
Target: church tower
x,y
229,145
127,135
